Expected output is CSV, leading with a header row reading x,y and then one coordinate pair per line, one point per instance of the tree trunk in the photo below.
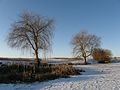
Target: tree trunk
x,y
37,62
85,61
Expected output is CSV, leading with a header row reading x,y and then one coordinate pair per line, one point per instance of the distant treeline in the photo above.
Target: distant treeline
x,y
67,58
16,59
30,59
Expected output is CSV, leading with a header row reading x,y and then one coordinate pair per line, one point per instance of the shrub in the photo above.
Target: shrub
x,y
20,73
102,55
64,70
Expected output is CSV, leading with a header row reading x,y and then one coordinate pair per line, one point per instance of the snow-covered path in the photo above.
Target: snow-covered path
x,y
96,77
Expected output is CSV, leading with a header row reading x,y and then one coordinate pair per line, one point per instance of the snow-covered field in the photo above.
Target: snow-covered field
x,y
96,77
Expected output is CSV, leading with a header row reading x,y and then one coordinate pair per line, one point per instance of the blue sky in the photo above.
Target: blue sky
x,y
100,17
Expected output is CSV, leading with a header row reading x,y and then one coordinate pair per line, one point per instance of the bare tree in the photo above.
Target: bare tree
x,y
31,32
84,43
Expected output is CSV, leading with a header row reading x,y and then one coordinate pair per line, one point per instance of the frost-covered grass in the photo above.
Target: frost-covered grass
x,y
96,77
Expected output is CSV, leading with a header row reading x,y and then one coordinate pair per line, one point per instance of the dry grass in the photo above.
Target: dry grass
x,y
19,73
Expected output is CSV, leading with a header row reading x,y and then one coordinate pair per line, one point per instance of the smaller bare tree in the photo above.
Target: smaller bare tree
x,y
84,43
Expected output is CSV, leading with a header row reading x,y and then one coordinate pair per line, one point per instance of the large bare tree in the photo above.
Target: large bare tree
x,y
31,32
84,43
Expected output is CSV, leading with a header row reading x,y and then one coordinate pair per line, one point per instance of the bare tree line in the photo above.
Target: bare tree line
x,y
34,32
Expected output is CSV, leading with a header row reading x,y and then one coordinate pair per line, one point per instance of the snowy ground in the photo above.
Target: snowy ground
x,y
96,77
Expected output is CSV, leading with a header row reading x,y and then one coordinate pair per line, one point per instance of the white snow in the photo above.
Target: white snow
x,y
96,77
